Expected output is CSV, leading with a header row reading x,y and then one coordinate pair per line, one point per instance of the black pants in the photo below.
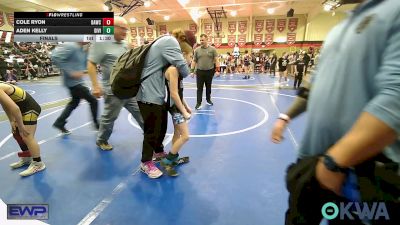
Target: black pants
x,y
204,77
306,198
155,118
78,92
273,68
297,80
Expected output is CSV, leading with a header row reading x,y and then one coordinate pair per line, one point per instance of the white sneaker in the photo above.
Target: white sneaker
x,y
150,169
35,78
33,168
23,161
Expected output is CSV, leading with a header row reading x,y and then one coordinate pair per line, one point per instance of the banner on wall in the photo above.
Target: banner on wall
x,y
149,31
259,25
150,39
269,39
231,40
217,42
10,18
281,24
258,39
242,40
193,27
232,27
219,28
133,32
270,25
141,31
208,28
6,37
292,24
163,29
242,26
291,38
209,39
1,19
134,42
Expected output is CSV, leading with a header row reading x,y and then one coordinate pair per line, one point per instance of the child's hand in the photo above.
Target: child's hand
x,y
188,109
187,115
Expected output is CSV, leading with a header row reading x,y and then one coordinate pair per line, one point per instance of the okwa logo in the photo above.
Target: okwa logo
x,y
350,210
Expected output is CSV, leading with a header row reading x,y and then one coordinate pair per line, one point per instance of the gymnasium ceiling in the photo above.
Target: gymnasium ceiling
x,y
177,10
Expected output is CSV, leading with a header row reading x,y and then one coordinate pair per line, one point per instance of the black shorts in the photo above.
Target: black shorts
x,y
30,110
282,69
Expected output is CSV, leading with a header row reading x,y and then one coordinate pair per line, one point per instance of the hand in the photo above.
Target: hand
x,y
13,126
277,131
23,131
97,91
188,109
187,115
329,180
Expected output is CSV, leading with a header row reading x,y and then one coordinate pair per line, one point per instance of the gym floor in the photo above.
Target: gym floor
x,y
235,175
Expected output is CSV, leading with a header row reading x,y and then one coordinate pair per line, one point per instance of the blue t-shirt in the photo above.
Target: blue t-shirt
x,y
359,71
70,57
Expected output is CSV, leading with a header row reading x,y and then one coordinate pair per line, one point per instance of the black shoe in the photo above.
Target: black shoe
x,y
209,102
62,129
198,106
245,77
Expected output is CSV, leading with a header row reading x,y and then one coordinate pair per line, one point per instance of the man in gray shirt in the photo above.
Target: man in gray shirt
x,y
205,60
105,54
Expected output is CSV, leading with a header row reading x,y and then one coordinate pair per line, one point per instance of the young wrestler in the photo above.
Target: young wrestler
x,y
22,111
179,109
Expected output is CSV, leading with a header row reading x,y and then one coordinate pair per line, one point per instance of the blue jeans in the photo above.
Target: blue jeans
x,y
112,108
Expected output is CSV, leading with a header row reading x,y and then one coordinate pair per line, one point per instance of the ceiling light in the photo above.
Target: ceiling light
x,y
327,7
331,4
183,2
195,14
147,4
132,20
167,17
233,13
270,11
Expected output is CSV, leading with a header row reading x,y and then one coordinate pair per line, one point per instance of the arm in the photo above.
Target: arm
x,y
13,112
92,71
172,53
172,76
60,57
298,107
377,126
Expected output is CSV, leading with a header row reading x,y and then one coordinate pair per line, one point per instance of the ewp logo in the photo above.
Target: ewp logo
x,y
378,209
28,211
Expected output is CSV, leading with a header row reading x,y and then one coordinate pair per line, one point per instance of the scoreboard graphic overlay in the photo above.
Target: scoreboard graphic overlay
x,y
63,26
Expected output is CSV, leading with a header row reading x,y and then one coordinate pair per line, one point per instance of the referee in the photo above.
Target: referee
x,y
205,60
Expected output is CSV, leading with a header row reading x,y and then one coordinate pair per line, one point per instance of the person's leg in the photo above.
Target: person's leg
x,y
112,108
296,78
200,80
300,78
209,77
25,156
181,135
33,146
152,115
61,120
132,106
85,94
159,151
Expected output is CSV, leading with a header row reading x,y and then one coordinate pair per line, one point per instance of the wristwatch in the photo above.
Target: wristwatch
x,y
331,165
